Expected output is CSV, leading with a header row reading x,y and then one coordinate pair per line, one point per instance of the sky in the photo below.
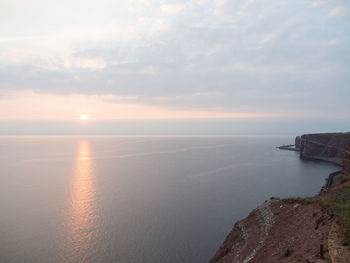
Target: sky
x,y
143,61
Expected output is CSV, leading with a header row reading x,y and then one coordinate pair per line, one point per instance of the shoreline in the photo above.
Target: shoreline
x,y
335,161
330,180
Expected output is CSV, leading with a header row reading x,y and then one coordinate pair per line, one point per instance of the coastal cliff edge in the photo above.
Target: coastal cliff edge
x,y
314,229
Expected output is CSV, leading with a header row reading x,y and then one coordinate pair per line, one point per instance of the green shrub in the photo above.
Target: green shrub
x,y
337,202
286,253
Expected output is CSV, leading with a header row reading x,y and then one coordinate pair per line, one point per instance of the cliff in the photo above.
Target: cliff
x,y
284,231
315,229
323,146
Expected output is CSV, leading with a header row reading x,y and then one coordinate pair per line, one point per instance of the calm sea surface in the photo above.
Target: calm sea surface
x,y
138,199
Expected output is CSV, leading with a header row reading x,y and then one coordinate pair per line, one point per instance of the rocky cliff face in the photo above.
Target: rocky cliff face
x,y
346,160
323,146
278,231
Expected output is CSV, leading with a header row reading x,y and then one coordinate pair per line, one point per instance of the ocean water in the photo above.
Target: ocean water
x,y
138,199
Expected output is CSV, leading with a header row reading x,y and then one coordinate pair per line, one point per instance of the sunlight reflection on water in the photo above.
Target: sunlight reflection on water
x,y
80,227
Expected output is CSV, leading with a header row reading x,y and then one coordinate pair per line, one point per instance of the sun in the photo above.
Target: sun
x,y
83,117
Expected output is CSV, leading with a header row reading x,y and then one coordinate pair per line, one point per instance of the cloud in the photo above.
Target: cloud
x,y
338,12
200,2
101,107
211,55
317,3
172,8
335,41
269,38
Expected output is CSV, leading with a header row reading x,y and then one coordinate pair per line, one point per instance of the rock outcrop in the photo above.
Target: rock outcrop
x,y
247,237
323,146
280,231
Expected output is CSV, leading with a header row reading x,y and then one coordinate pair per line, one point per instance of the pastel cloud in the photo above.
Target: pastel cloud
x,y
219,58
172,8
24,106
338,12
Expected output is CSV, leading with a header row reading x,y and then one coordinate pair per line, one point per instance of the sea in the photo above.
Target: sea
x,y
138,199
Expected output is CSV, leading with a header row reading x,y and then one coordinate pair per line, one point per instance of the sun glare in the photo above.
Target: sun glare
x,y
83,117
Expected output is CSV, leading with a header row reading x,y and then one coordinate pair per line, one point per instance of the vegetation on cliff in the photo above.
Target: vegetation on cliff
x,y
336,202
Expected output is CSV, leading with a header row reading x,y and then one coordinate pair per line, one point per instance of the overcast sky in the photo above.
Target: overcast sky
x,y
145,59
